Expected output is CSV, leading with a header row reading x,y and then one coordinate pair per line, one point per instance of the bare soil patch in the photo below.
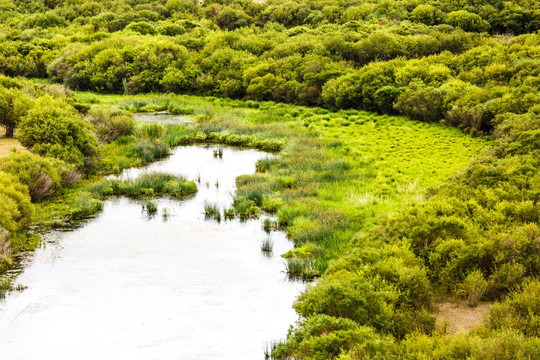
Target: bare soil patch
x,y
6,144
458,317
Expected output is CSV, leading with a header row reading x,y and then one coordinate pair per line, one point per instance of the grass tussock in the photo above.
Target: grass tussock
x,y
146,185
267,245
212,211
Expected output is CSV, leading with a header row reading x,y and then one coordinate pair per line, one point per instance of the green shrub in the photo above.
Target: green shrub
x,y
520,311
141,27
16,210
14,105
352,296
53,128
42,176
327,337
109,123
473,287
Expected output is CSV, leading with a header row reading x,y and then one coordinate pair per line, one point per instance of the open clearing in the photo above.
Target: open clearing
x,y
460,317
6,144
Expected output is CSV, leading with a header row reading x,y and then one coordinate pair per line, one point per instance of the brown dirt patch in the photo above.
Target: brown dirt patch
x,y
457,317
6,144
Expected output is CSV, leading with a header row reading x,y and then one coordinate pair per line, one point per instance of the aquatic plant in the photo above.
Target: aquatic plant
x,y
85,205
151,207
228,213
267,245
269,224
211,211
147,184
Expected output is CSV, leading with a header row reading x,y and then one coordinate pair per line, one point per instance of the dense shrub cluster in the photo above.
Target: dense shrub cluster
x,y
433,61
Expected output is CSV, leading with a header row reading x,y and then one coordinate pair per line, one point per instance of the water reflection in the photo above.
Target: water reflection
x,y
168,285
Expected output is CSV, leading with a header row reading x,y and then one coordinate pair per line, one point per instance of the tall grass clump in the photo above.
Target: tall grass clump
x,y
212,211
84,205
151,207
148,184
267,245
149,150
152,130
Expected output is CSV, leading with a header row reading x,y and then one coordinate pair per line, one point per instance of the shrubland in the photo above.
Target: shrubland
x,y
387,213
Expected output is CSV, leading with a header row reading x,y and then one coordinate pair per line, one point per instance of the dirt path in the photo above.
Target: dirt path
x,y
460,317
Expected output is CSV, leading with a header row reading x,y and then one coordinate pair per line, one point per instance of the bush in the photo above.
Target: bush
x,y
141,27
42,176
473,288
54,128
467,21
109,124
521,311
16,210
352,296
14,105
326,337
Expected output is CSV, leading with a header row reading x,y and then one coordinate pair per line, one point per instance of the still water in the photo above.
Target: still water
x,y
127,285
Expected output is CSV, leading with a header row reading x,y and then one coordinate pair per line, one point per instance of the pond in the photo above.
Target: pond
x,y
173,285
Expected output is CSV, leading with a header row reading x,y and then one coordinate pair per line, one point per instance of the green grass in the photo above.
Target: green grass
x,y
212,211
146,185
267,245
338,174
151,207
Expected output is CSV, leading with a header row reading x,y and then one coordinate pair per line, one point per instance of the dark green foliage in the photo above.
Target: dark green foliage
x,y
369,56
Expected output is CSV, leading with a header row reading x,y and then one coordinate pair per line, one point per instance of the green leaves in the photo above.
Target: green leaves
x,y
54,128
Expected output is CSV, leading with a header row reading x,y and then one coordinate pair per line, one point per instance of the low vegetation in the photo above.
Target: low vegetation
x,y
146,185
387,212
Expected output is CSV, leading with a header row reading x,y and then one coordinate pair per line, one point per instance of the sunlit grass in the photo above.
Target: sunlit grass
x,y
338,173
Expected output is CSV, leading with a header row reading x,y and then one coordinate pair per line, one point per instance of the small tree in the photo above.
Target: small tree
x,y
14,105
